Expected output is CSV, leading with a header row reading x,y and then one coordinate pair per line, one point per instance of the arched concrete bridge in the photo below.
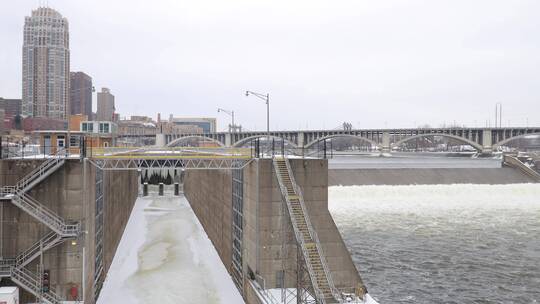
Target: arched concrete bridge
x,y
484,140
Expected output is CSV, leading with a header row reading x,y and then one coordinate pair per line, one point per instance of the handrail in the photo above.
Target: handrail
x,y
516,163
299,237
313,233
43,244
38,172
36,209
28,281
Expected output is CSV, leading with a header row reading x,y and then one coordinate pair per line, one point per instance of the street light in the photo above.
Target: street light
x,y
498,110
230,113
265,98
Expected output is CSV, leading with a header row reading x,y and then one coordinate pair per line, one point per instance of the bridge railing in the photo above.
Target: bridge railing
x,y
262,149
168,153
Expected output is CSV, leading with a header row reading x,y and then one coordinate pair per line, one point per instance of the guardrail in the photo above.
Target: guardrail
x,y
514,162
168,153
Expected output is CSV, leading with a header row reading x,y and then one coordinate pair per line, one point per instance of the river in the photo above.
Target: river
x,y
443,243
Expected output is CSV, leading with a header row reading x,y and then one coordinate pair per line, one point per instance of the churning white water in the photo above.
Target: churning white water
x,y
443,243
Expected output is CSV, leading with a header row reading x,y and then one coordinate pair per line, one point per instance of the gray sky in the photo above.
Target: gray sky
x,y
372,63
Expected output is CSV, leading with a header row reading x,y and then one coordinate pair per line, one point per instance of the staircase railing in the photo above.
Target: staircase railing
x,y
514,162
35,176
38,172
39,211
31,283
14,268
47,242
297,232
313,233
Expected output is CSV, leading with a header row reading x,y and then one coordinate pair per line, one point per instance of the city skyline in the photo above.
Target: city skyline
x,y
362,63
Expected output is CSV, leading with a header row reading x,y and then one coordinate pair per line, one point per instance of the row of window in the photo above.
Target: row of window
x,y
102,127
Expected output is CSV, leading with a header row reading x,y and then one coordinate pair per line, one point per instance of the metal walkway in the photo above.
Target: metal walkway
x,y
171,157
61,230
306,237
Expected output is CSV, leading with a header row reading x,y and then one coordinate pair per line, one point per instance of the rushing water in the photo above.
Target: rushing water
x,y
445,243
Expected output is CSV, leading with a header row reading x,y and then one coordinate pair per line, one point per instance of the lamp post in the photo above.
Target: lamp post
x,y
498,110
265,98
230,113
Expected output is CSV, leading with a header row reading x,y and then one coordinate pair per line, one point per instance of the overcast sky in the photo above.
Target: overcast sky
x,y
373,63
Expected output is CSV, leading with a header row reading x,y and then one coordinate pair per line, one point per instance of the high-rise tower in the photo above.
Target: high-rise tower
x,y
80,100
105,105
45,64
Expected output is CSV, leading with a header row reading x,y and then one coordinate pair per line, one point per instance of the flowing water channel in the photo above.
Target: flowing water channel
x,y
443,243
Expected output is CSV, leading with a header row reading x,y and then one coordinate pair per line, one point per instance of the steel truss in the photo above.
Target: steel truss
x,y
184,163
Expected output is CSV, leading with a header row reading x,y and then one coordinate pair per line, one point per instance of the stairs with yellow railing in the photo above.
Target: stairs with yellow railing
x,y
320,276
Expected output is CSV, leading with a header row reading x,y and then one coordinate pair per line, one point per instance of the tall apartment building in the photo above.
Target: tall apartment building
x,y
105,105
80,98
45,65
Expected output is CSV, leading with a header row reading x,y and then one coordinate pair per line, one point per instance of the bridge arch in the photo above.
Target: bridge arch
x,y
505,141
243,141
206,138
373,143
471,143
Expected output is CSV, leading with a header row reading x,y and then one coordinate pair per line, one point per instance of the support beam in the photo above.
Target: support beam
x,y
385,145
228,140
487,145
160,140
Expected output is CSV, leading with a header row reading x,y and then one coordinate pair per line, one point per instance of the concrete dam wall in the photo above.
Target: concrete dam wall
x,y
429,176
242,213
100,200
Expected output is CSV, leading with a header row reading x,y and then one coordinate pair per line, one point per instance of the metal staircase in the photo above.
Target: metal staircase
x,y
321,279
37,175
47,242
30,282
44,215
61,230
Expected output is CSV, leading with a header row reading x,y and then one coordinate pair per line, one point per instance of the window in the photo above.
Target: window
x,y
84,127
74,141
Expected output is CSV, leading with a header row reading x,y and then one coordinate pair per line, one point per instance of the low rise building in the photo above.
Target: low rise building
x,y
136,128
166,127
208,125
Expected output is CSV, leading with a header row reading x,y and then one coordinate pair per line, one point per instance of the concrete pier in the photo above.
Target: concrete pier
x,y
266,227
72,193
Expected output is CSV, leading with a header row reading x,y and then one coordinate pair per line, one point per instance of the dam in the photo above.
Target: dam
x,y
266,218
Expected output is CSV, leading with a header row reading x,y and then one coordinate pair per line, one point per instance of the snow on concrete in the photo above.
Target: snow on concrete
x,y
165,257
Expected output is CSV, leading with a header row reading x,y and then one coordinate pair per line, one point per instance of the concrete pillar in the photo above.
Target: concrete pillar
x,y
176,189
160,140
145,189
161,186
300,137
228,140
386,143
487,145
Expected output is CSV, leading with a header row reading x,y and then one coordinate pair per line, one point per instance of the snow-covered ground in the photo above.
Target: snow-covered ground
x,y
165,257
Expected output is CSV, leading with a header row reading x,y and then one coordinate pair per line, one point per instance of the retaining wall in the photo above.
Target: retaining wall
x,y
70,192
433,176
264,226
